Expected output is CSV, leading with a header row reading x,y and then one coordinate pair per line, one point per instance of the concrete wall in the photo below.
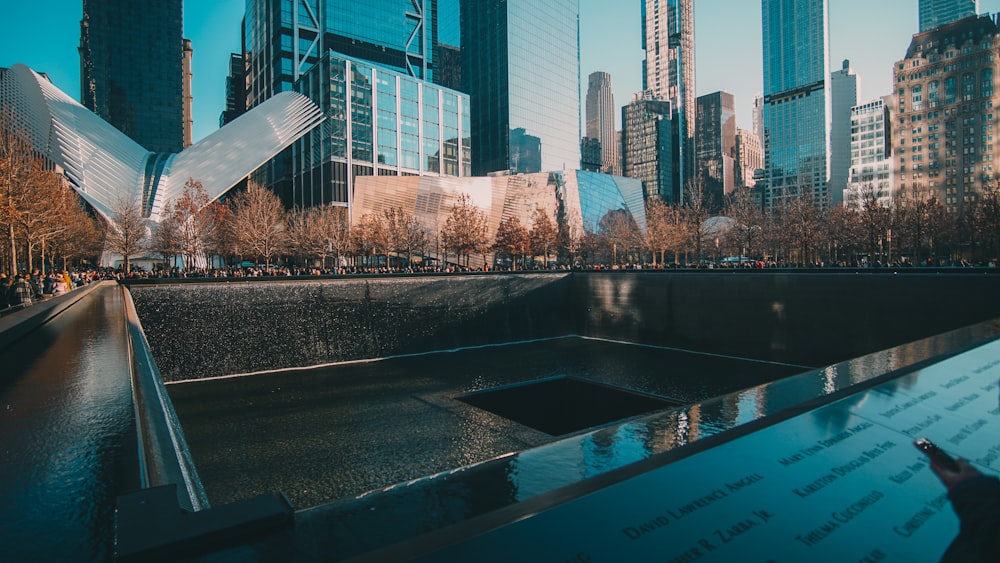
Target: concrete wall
x,y
814,318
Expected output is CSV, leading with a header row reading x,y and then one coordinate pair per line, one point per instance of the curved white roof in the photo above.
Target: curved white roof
x,y
105,165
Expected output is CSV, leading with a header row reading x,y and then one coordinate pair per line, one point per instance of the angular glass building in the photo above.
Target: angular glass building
x,y
576,200
797,104
521,69
379,122
131,69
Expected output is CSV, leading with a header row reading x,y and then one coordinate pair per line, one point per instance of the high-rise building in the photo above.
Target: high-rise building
x,y
379,122
236,90
521,69
758,117
796,100
668,73
648,136
715,146
188,78
131,69
935,13
284,39
944,117
749,157
590,155
871,155
843,97
601,120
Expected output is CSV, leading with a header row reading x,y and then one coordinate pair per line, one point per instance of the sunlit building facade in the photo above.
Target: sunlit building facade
x,y
521,69
871,163
797,104
600,121
749,157
379,122
944,113
716,146
132,69
575,199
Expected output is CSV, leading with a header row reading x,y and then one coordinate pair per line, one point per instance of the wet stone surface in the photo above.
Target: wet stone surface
x,y
333,433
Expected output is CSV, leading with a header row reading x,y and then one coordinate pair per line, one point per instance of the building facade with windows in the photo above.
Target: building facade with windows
x,y
715,143
749,158
648,146
944,121
600,120
935,13
668,74
521,69
871,174
797,105
379,122
132,69
843,97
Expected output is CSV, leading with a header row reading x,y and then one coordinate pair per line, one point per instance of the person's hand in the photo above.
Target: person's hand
x,y
953,478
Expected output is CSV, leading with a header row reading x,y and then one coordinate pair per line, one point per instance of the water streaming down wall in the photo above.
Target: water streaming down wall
x,y
814,319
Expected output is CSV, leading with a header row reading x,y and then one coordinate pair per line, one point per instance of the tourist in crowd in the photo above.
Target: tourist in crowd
x,y
58,286
21,292
4,290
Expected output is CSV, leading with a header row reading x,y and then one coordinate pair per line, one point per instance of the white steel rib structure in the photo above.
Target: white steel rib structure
x,y
105,166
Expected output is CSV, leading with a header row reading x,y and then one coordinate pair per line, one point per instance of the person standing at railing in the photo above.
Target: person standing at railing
x,y
21,292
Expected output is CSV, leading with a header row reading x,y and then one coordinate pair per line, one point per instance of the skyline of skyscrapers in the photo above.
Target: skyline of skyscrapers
x,y
132,70
797,105
935,13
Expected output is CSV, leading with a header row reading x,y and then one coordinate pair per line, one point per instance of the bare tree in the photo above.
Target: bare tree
x,y
748,221
257,220
465,230
696,212
875,218
512,240
16,170
128,232
165,239
543,235
620,231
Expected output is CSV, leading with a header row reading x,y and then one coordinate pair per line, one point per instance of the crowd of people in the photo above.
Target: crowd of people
x,y
25,289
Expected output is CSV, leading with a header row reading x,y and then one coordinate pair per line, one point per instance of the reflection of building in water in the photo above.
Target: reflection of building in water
x,y
577,200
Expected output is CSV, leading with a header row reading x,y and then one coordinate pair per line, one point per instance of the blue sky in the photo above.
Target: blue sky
x,y
873,34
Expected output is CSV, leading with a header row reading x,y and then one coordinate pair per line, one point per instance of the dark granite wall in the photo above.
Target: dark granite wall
x,y
812,319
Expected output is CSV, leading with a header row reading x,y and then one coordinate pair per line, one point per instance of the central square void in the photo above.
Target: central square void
x,y
561,405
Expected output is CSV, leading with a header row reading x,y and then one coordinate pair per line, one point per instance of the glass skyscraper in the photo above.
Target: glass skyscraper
x,y
796,100
648,146
668,74
379,122
935,13
131,69
521,69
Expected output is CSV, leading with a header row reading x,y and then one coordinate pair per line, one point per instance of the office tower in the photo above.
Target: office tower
x,y
758,117
871,156
521,69
749,158
131,69
668,72
715,146
284,39
843,97
943,124
379,122
601,120
796,100
590,155
236,90
648,136
935,13
188,78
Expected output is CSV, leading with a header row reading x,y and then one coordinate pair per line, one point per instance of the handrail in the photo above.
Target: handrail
x,y
164,457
